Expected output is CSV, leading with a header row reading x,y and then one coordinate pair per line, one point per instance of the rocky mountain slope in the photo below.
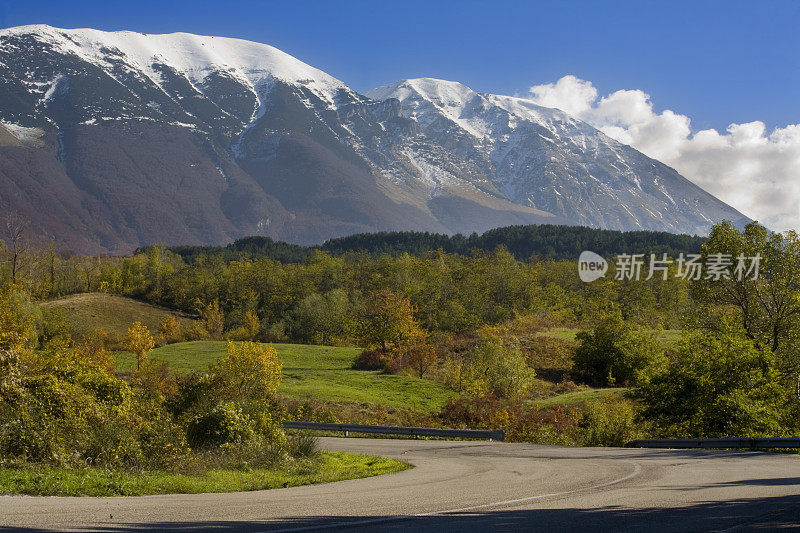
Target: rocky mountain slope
x,y
113,140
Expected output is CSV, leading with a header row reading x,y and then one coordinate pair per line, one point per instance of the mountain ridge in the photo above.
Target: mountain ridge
x,y
113,140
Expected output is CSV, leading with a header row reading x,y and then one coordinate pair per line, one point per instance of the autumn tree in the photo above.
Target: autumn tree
x,y
212,319
250,369
420,357
387,320
169,330
15,234
17,332
17,320
92,348
251,325
139,341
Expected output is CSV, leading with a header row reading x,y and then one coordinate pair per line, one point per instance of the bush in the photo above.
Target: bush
x,y
169,331
194,393
609,423
196,332
553,425
50,422
720,385
370,360
18,316
304,445
495,366
250,370
615,354
54,323
226,423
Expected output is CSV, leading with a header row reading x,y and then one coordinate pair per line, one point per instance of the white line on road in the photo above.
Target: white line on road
x,y
636,471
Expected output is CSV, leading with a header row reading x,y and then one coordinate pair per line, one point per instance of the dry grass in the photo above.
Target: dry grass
x,y
113,314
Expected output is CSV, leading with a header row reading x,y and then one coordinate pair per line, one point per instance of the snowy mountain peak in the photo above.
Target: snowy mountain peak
x,y
424,98
479,114
195,56
442,93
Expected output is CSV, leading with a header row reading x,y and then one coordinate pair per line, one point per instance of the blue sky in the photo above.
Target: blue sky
x,y
716,62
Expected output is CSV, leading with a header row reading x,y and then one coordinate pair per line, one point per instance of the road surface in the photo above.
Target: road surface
x,y
468,486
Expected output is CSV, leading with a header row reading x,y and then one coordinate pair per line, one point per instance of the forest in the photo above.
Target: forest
x,y
538,242
493,331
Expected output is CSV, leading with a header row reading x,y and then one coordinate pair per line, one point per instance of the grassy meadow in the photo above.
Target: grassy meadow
x,y
668,338
314,372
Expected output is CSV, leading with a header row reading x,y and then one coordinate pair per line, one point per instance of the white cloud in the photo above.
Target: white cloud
x,y
756,171
570,94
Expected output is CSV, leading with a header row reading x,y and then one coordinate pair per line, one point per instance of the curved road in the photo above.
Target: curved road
x,y
471,486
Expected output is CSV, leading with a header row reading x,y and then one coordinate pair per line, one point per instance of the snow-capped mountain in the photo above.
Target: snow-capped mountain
x,y
111,140
546,159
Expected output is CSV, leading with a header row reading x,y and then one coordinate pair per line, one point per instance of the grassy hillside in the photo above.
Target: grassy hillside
x,y
114,314
668,337
315,372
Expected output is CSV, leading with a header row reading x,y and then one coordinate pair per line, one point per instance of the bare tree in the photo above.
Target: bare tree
x,y
15,233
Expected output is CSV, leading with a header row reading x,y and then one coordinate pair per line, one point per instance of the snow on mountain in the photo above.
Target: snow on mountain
x,y
140,128
194,55
546,159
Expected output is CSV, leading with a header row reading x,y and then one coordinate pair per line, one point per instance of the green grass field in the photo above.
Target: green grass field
x,y
113,314
578,396
43,480
315,372
668,337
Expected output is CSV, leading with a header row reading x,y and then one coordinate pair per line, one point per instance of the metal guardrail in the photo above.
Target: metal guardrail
x,y
498,435
750,444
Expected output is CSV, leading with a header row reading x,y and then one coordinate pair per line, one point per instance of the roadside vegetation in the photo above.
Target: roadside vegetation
x,y
48,480
72,425
473,340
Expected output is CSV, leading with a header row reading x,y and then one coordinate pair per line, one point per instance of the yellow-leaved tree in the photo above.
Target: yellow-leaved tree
x,y
387,320
213,319
169,330
139,341
251,325
250,369
17,319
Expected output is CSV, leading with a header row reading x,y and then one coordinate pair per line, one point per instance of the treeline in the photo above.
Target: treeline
x,y
525,243
319,298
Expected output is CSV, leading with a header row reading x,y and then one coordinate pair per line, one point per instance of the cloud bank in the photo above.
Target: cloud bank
x,y
755,170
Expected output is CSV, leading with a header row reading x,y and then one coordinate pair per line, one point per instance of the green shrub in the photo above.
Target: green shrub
x,y
495,366
50,421
304,445
226,423
194,393
616,354
719,385
610,422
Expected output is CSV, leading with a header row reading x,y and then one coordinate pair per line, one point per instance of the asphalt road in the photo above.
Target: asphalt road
x,y
467,486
